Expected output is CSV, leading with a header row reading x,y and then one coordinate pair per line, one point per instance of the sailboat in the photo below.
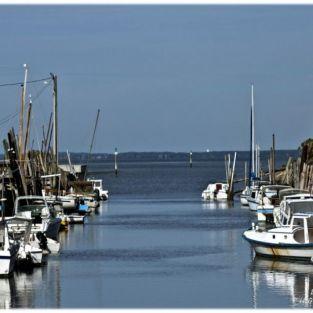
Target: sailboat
x,y
247,191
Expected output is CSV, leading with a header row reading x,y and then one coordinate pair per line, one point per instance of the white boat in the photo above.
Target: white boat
x,y
97,187
91,202
45,228
20,229
268,198
292,238
217,191
271,204
8,250
76,218
69,202
253,198
244,196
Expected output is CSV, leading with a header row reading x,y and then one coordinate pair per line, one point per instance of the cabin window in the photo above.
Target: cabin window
x,y
273,236
285,236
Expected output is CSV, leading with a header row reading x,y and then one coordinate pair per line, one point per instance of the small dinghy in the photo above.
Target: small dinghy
x,y
293,235
76,218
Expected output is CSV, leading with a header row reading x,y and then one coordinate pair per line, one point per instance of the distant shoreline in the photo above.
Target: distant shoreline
x,y
81,158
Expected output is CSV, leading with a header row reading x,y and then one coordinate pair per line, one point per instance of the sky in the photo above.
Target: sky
x,y
165,78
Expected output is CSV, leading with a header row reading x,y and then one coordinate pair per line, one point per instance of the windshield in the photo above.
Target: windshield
x,y
301,207
33,205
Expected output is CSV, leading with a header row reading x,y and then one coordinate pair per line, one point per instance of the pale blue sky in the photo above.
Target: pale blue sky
x,y
173,78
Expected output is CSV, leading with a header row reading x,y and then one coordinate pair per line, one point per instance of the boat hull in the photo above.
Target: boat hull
x,y
244,200
292,253
280,250
220,196
76,219
7,262
253,206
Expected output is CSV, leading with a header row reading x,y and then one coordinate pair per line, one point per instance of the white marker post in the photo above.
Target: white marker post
x,y
115,161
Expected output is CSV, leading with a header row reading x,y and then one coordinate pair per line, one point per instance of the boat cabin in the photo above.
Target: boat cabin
x,y
270,194
31,207
302,224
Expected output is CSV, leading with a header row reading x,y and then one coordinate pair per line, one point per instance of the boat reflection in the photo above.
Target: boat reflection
x,y
39,287
213,205
292,278
7,290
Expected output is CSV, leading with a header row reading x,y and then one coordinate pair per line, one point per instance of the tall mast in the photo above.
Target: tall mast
x,y
21,118
92,140
252,131
55,120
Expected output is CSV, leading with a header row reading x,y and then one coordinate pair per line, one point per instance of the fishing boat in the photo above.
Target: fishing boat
x,y
8,250
97,187
291,238
217,191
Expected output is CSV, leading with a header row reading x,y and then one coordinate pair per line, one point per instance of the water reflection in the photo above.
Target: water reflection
x,y
7,289
213,205
292,278
39,287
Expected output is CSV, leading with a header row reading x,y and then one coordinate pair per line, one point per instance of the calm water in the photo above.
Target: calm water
x,y
154,244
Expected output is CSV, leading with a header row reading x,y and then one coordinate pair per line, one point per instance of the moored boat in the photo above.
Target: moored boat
x,y
45,228
217,191
19,228
292,238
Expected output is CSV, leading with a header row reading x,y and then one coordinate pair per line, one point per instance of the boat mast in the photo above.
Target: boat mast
x,y
252,131
21,118
251,158
92,140
55,120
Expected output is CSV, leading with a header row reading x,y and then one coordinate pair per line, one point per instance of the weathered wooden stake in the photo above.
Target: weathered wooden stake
x,y
226,168
230,190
